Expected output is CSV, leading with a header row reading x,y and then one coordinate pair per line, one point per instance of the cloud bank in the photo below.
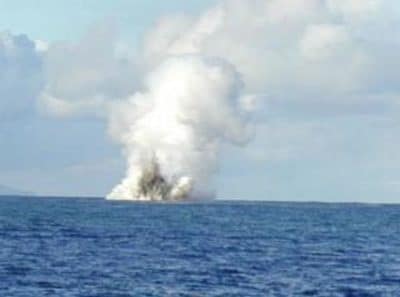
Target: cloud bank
x,y
83,78
21,77
334,54
305,60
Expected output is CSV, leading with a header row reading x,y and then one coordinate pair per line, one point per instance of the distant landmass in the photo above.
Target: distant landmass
x,y
5,190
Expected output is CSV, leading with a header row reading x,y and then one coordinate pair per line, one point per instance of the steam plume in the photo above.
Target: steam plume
x,y
172,130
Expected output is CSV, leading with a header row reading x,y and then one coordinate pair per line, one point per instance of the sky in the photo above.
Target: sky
x,y
324,76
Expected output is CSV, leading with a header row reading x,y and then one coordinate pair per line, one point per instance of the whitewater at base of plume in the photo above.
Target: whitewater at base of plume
x,y
151,185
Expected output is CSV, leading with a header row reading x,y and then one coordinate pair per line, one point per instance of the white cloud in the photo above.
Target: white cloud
x,y
324,41
41,45
284,48
20,76
83,77
355,10
287,47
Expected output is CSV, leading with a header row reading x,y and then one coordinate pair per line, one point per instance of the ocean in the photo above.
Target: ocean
x,y
93,247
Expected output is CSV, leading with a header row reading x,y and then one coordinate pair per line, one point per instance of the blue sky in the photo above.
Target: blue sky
x,y
326,77
68,20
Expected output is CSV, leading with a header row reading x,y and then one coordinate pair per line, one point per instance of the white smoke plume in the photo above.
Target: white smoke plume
x,y
173,130
196,75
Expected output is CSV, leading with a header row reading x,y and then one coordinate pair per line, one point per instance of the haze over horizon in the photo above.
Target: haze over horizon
x,y
320,78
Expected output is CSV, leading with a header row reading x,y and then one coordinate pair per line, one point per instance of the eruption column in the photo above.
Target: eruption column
x,y
172,131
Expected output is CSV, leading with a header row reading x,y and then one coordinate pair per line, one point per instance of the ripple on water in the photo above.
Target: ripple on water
x,y
83,247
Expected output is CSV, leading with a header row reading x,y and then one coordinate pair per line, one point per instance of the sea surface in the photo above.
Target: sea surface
x,y
94,247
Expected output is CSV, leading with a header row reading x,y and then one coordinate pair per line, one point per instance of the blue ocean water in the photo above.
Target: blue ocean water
x,y
93,247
